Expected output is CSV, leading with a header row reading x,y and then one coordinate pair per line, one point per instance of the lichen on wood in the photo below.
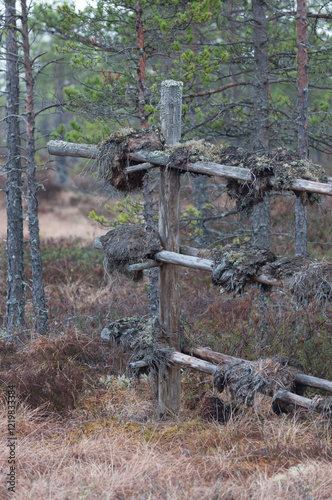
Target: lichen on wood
x,y
113,156
126,245
193,151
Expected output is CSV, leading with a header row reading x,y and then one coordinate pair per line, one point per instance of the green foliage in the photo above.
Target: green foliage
x,y
83,132
129,210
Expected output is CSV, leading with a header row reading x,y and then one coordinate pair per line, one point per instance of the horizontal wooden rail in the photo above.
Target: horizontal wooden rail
x,y
62,148
180,259
203,366
220,358
194,263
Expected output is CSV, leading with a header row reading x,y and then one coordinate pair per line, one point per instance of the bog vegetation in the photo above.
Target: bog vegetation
x,y
85,429
256,87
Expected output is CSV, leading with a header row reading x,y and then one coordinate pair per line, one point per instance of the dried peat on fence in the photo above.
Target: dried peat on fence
x,y
235,266
191,152
266,376
126,245
307,279
144,341
283,165
313,284
113,153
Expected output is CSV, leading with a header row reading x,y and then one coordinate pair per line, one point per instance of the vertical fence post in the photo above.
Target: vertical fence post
x,y
169,386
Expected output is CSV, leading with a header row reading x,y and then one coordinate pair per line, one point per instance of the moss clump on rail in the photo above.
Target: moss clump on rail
x,y
285,166
113,156
266,376
144,340
235,266
126,245
193,151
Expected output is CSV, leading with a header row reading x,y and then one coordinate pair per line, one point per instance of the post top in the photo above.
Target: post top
x,y
171,83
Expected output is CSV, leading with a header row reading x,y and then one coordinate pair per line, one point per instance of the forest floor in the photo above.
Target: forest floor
x,y
86,431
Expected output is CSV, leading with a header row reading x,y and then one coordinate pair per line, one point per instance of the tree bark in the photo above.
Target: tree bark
x,y
60,161
261,221
38,294
150,226
141,68
302,135
15,306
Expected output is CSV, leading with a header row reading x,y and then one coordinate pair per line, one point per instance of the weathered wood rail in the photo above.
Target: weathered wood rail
x,y
158,159
205,366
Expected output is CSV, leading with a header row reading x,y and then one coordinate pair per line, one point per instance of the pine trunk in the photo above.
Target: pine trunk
x,y
15,307
261,212
150,226
302,136
38,295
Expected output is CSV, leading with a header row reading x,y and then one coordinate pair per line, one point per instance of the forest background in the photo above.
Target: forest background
x,y
81,75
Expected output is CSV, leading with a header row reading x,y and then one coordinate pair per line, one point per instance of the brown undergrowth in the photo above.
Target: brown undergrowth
x,y
85,430
114,448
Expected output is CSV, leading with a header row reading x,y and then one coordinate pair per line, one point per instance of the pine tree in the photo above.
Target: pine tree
x,y
15,308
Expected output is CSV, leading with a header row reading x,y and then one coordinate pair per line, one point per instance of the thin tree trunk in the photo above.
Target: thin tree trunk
x,y
15,306
60,162
147,189
302,135
261,212
150,226
38,295
141,69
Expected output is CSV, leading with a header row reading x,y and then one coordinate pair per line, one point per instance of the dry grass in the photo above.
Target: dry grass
x,y
103,451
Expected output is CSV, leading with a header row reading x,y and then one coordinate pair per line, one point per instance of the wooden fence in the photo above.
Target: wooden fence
x,y
169,387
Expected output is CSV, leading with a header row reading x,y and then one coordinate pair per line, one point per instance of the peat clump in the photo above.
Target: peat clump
x,y
307,279
113,157
126,245
191,152
313,284
285,166
266,376
213,409
234,266
144,340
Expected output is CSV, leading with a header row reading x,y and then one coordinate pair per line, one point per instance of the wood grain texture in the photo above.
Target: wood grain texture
x,y
169,386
